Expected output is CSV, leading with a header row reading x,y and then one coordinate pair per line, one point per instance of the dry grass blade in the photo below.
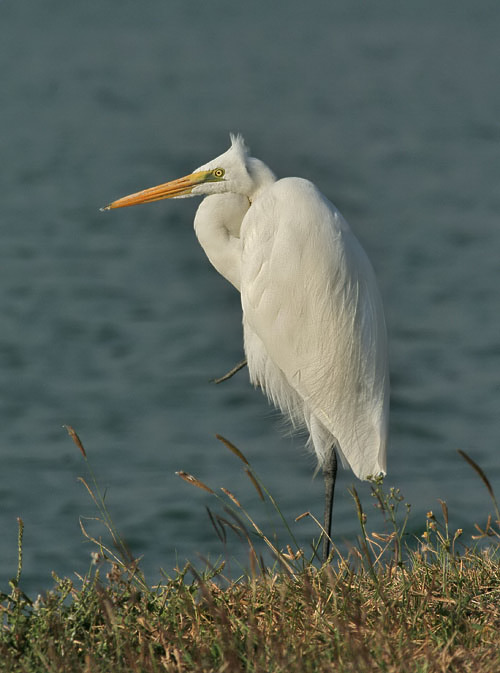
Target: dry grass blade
x,y
444,507
231,372
303,515
255,483
90,491
194,481
72,433
218,527
364,536
234,449
239,529
278,555
20,532
484,479
231,496
323,533
103,548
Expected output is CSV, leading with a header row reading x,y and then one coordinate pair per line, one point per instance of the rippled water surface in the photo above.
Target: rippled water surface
x,y
114,323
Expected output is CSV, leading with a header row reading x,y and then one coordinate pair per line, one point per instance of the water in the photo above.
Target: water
x,y
114,323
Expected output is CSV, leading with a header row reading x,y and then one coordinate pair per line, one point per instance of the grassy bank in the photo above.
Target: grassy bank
x,y
381,607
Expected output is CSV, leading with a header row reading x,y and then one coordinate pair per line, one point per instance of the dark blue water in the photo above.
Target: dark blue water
x,y
114,323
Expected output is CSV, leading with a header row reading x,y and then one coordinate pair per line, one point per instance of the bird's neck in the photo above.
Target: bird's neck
x,y
261,177
217,225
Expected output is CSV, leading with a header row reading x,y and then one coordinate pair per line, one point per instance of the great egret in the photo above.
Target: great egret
x,y
313,322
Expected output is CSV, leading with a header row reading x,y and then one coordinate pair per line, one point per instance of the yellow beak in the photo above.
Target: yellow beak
x,y
168,190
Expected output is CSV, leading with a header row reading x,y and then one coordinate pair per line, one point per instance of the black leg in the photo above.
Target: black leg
x,y
329,475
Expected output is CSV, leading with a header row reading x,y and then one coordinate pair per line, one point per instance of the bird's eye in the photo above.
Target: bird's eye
x,y
218,172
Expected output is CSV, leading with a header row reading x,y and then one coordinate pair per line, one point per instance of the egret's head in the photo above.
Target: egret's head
x,y
234,171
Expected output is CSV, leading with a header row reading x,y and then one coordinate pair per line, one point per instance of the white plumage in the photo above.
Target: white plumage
x,y
314,331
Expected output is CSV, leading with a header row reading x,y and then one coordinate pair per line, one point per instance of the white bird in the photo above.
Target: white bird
x,y
313,321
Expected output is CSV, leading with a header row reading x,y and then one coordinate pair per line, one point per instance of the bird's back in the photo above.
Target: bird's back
x,y
310,297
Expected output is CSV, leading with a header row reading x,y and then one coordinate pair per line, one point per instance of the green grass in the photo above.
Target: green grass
x,y
433,606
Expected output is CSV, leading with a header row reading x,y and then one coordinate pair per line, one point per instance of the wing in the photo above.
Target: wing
x,y
310,295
